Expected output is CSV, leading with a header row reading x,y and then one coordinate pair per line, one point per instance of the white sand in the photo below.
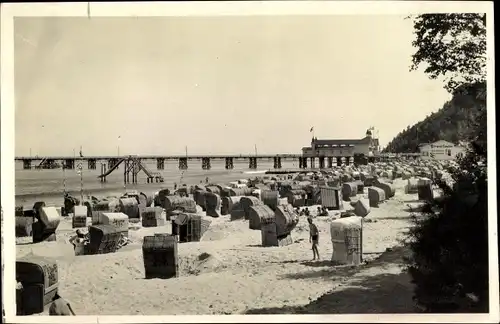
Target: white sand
x,y
237,277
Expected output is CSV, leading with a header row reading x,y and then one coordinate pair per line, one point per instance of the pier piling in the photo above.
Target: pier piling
x,y
69,164
183,163
205,163
277,162
26,164
229,163
252,164
160,164
91,164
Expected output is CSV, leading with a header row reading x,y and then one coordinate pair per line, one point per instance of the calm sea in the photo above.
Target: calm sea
x,y
48,185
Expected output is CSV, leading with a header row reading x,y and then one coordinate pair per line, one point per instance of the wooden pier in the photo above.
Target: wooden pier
x,y
69,162
134,163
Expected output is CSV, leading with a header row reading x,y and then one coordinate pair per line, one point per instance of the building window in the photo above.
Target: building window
x,y
449,152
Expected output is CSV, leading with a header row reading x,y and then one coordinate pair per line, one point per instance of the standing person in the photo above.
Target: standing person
x,y
304,197
313,237
78,241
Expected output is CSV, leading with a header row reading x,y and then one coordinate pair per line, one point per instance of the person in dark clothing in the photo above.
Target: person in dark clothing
x,y
313,237
60,307
79,241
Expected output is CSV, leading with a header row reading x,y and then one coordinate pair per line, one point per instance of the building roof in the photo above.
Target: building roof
x,y
435,143
342,141
442,142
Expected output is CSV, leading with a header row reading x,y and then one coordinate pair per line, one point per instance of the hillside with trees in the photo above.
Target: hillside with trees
x,y
451,47
454,122
449,263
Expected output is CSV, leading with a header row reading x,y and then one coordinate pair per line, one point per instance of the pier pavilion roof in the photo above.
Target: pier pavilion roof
x,y
339,142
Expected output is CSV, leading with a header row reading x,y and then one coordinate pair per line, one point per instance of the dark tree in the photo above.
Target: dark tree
x,y
452,46
449,263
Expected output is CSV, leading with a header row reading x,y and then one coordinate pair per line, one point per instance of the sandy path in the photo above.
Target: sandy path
x,y
239,276
371,289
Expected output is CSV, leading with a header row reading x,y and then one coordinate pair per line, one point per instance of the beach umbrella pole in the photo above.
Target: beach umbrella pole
x,y
64,178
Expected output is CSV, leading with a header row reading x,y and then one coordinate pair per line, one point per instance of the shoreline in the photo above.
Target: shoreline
x,y
113,186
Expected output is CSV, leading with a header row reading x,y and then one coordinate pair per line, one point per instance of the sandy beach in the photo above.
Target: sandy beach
x,y
231,273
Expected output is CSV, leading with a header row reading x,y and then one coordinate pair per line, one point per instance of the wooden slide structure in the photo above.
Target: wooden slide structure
x,y
133,166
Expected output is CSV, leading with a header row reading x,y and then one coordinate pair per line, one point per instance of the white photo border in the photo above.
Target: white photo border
x,y
230,8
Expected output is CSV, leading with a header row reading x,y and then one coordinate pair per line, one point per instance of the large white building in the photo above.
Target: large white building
x,y
440,150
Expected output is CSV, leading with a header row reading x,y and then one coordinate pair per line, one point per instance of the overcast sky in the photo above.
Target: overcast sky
x,y
214,84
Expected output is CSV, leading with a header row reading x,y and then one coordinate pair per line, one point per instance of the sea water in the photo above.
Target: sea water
x,y
48,185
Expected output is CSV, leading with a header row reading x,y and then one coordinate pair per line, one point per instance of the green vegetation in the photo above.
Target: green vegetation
x,y
449,263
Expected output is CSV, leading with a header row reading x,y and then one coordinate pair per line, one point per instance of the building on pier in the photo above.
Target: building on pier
x,y
338,148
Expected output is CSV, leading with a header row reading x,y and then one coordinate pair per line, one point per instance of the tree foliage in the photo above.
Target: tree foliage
x,y
452,46
449,263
